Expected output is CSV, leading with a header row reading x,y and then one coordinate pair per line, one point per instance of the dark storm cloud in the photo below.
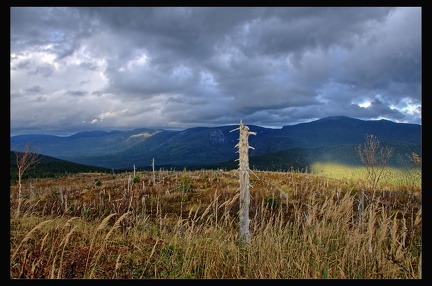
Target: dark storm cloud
x,y
178,67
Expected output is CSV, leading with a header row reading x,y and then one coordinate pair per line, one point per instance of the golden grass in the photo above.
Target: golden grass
x,y
107,236
101,226
410,177
29,234
312,231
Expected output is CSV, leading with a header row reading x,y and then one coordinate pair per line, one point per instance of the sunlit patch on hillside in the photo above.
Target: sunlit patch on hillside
x,y
144,134
409,176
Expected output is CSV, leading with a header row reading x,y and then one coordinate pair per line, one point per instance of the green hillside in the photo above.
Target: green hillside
x,y
49,167
299,158
213,145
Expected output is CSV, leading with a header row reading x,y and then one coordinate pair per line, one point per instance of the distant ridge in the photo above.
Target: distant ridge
x,y
201,146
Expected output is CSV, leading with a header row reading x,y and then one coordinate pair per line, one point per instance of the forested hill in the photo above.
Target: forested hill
x,y
200,146
49,167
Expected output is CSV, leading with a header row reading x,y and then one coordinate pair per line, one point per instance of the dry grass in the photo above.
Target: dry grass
x,y
302,226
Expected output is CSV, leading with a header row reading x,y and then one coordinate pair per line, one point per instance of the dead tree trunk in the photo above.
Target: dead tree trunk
x,y
243,151
153,173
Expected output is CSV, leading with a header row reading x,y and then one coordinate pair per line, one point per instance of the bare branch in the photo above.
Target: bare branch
x,y
24,161
375,159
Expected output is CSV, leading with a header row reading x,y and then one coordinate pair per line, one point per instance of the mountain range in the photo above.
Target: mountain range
x,y
328,139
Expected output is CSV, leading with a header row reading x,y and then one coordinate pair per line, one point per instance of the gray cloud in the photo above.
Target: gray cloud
x,y
34,89
83,68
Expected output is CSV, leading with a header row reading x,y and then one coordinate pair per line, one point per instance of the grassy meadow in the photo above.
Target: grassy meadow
x,y
320,224
397,178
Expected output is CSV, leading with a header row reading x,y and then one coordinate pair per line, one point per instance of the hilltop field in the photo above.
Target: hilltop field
x,y
318,223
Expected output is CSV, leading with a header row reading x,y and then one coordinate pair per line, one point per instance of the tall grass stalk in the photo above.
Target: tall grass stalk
x,y
107,236
101,226
29,234
65,242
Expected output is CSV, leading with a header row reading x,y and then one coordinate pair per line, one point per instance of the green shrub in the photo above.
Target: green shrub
x,y
136,179
185,185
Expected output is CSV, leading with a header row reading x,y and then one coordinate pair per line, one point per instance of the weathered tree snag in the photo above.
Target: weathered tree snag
x,y
243,151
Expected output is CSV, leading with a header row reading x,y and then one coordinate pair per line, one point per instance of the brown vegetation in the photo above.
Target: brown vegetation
x,y
186,225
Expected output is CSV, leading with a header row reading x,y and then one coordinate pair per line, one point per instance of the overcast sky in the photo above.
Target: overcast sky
x,y
75,69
